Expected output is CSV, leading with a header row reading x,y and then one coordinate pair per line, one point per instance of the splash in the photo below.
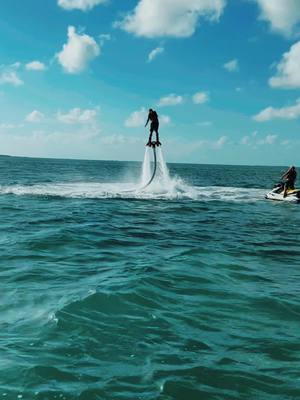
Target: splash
x,y
146,168
163,186
155,176
173,190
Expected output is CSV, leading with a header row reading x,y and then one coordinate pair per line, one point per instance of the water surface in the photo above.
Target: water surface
x,y
188,290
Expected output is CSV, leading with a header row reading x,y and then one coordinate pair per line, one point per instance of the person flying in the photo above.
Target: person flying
x,y
153,117
290,177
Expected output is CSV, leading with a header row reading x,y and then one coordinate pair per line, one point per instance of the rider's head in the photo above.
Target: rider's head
x,y
150,110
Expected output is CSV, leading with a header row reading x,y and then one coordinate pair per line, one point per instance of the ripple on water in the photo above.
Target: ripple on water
x,y
186,294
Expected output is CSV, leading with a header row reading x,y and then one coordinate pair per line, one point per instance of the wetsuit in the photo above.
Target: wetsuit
x,y
290,177
153,117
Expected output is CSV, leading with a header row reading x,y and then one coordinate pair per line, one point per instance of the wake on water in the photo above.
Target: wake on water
x,y
163,186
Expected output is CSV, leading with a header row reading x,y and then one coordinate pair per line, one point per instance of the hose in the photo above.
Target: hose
x,y
154,170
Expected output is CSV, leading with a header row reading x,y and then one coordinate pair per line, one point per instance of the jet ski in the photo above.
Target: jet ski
x,y
292,195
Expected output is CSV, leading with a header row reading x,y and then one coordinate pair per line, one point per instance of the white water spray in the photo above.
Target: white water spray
x,y
162,172
146,169
155,176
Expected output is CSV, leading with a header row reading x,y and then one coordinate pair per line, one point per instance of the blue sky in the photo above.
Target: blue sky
x,y
77,76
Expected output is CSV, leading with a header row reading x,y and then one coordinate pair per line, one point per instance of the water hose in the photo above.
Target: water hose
x,y
152,177
154,169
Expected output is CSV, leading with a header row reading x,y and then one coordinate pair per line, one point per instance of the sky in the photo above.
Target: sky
x,y
78,76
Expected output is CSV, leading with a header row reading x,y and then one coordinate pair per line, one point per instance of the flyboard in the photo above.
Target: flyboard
x,y
153,145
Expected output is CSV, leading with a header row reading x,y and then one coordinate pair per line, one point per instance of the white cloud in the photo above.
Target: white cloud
x,y
34,116
154,53
77,52
232,65
104,37
269,113
283,15
206,143
11,78
178,18
200,97
6,126
269,139
136,119
218,144
254,141
78,116
164,120
245,140
170,100
114,139
205,123
35,66
288,69
83,5
15,65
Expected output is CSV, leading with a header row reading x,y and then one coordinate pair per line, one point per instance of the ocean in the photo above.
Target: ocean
x,y
187,289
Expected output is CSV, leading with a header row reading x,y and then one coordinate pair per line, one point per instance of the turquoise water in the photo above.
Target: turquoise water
x,y
189,290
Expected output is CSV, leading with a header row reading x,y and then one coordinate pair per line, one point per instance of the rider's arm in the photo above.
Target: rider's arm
x,y
147,121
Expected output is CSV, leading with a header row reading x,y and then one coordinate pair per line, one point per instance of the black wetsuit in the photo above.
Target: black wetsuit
x,y
290,179
153,117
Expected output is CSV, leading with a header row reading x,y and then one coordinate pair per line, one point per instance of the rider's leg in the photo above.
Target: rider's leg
x,y
150,138
157,138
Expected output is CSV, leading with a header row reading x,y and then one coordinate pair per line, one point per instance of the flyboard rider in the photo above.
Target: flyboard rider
x,y
153,117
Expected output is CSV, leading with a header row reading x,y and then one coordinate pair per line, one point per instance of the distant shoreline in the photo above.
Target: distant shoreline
x,y
139,161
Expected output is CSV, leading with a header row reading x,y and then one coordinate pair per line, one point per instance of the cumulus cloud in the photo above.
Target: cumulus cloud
x,y
269,113
218,144
245,140
269,139
154,53
165,120
170,100
288,69
8,75
104,37
253,140
177,18
232,65
200,97
6,126
35,66
34,116
78,116
79,50
83,5
283,15
136,118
